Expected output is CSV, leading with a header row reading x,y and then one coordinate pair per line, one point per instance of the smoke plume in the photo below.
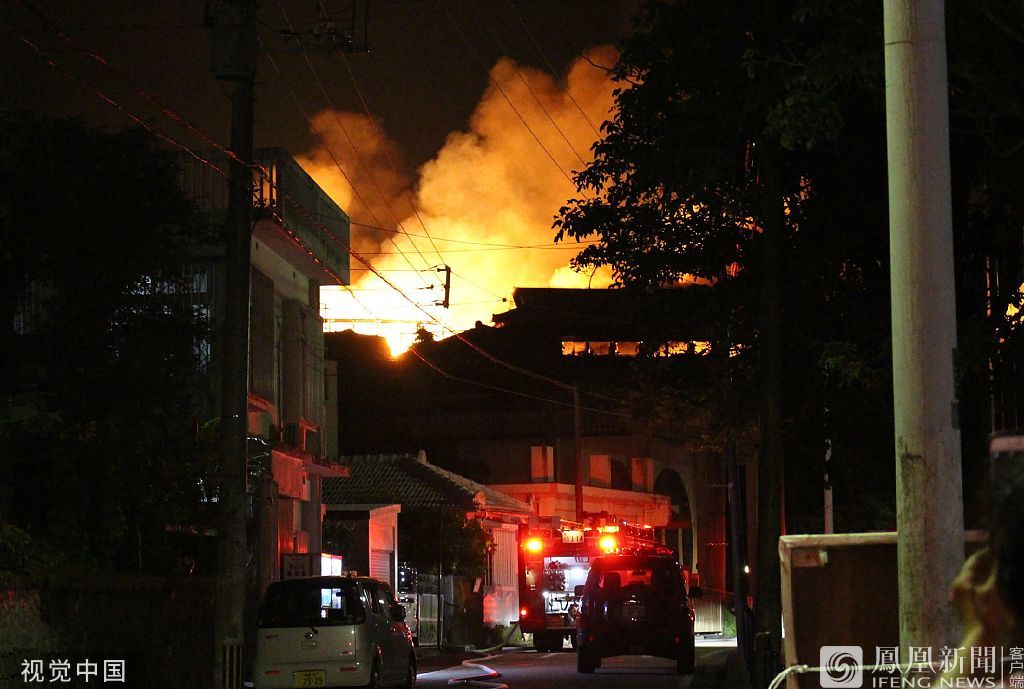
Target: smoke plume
x,y
494,186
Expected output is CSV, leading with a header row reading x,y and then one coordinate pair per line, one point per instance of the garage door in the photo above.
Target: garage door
x,y
380,564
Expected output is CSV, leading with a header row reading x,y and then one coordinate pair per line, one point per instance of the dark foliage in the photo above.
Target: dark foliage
x,y
717,101
98,340
432,537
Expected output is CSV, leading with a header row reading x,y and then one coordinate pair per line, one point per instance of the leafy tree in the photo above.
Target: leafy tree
x,y
723,162
429,537
986,61
747,150
99,342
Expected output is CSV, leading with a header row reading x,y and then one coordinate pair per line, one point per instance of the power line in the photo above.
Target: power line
x,y
479,286
497,388
466,241
348,137
536,247
475,303
501,91
387,155
352,145
291,234
551,67
529,88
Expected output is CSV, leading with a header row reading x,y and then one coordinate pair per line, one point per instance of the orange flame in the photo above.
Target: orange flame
x,y
488,189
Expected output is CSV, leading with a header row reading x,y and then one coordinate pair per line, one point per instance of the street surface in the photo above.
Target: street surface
x,y
532,670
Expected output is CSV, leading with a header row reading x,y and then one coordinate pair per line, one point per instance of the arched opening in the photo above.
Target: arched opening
x,y
679,530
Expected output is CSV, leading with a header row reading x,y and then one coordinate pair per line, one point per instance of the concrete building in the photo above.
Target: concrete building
x,y
380,483
515,433
299,242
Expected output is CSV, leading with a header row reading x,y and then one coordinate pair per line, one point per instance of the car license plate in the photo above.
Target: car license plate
x,y
633,612
572,536
311,678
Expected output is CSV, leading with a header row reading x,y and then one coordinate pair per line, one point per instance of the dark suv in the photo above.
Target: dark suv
x,y
634,604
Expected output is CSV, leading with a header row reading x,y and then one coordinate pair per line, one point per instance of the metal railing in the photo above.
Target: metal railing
x,y
283,189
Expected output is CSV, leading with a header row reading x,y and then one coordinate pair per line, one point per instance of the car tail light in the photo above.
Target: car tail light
x,y
523,612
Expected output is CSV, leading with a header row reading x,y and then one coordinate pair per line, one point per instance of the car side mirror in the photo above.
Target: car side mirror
x,y
696,592
399,612
578,590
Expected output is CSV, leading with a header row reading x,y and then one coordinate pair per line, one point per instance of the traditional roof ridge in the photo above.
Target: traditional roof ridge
x,y
412,480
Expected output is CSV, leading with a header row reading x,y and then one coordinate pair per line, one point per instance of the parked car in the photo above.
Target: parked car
x,y
332,631
634,604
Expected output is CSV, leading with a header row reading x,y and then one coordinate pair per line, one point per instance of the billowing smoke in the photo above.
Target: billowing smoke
x,y
373,189
495,186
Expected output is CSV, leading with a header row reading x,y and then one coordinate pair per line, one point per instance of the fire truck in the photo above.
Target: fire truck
x,y
554,558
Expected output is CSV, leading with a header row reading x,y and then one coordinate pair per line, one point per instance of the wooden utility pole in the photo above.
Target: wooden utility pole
x,y
929,501
234,60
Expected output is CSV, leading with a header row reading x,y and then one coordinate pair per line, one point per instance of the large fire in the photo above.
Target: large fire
x,y
489,191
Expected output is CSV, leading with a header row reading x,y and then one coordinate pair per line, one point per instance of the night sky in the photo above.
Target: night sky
x,y
419,77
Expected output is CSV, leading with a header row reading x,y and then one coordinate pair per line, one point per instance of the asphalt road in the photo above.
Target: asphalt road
x,y
532,670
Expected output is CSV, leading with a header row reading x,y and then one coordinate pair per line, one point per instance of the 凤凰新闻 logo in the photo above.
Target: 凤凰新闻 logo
x,y
841,666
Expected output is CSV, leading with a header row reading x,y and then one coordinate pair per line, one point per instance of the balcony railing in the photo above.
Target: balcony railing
x,y
282,188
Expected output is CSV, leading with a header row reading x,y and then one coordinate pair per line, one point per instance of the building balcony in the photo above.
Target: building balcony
x,y
294,217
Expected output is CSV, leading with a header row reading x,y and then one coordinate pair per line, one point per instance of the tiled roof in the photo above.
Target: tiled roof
x,y
411,481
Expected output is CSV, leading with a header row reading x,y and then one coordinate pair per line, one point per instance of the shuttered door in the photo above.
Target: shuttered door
x,y
380,564
503,564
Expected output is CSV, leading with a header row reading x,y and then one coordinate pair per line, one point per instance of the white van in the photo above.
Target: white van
x,y
333,632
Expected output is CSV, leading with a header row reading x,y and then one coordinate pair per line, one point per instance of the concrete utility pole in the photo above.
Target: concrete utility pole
x,y
929,503
233,59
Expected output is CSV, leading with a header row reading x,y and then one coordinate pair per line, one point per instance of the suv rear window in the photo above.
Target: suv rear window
x,y
621,572
311,603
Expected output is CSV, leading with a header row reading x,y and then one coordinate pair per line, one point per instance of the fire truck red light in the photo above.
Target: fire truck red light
x,y
608,544
534,545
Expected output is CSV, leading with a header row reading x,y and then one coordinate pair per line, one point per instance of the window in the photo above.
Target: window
x,y
573,348
310,604
381,599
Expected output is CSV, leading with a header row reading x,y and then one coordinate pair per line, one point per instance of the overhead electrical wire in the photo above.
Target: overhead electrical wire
x,y
387,156
281,225
497,388
355,150
547,113
551,67
466,241
500,90
479,286
337,164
